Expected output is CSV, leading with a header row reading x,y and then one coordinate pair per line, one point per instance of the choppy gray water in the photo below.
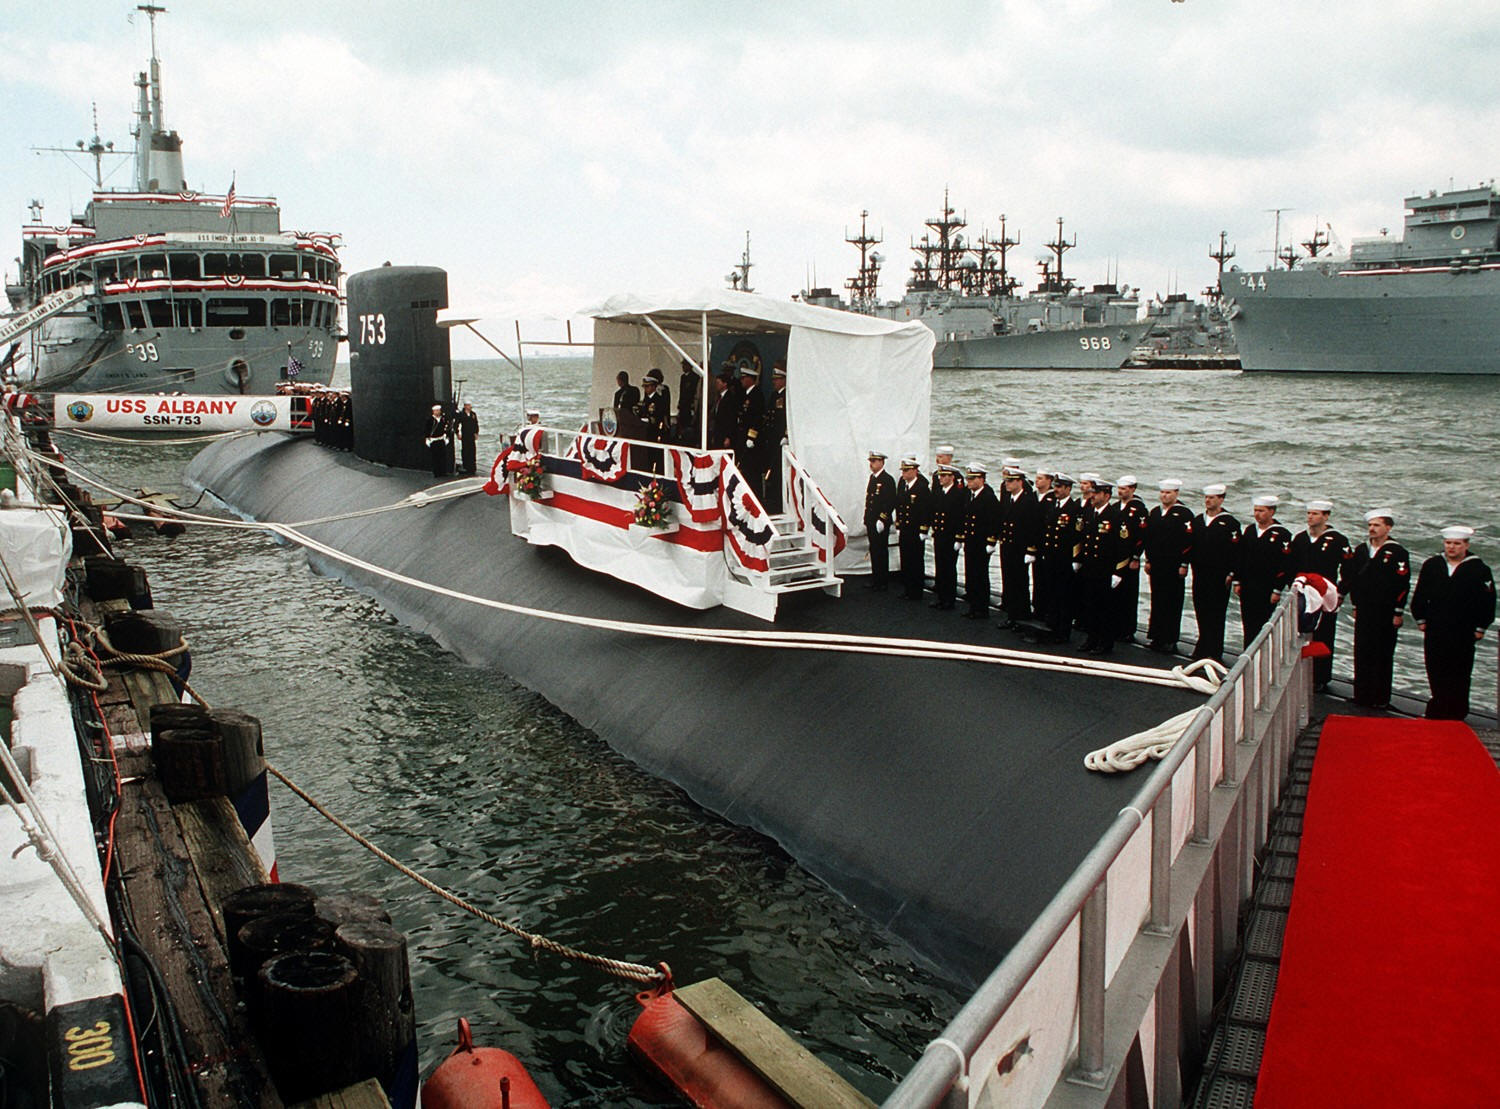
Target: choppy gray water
x,y
487,788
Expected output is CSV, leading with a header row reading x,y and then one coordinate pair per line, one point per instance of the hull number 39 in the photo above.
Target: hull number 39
x,y
372,329
1094,342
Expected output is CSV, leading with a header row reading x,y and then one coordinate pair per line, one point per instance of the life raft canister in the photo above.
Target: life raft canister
x,y
480,1078
673,1042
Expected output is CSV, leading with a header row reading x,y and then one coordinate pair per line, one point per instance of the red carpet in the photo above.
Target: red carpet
x,y
1389,991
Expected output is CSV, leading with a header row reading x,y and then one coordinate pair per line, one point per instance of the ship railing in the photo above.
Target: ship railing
x,y
1126,956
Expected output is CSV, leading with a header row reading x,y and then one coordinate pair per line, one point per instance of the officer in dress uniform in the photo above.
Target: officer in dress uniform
x,y
724,413
1216,536
880,505
1168,551
946,515
775,437
436,439
750,432
1056,554
1020,533
1377,582
1321,550
1105,548
979,533
1263,568
1128,596
1454,602
626,397
911,521
1046,498
652,416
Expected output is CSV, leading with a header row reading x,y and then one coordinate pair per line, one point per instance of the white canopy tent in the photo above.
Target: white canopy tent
x,y
854,383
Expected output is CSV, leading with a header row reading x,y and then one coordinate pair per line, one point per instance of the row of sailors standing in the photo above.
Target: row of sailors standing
x,y
1067,562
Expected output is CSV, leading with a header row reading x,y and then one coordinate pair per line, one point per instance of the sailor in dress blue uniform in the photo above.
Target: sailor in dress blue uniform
x,y
1321,550
1453,604
1377,582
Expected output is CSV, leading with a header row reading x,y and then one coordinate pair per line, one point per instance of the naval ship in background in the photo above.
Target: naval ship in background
x,y
1425,303
964,292
158,287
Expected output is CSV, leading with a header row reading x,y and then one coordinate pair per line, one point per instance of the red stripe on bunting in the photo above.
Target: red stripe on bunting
x,y
694,538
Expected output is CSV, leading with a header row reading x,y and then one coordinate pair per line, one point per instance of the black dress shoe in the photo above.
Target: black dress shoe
x,y
974,616
936,604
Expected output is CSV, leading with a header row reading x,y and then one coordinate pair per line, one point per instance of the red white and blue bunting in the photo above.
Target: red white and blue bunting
x,y
602,458
499,477
697,475
816,514
746,525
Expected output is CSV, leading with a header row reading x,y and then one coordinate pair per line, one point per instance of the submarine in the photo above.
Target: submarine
x,y
928,775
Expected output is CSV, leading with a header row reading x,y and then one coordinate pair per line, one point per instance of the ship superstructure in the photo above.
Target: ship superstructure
x,y
1427,302
159,287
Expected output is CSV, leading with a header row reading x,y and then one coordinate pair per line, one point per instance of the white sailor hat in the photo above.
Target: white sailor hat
x,y
1127,479
533,412
908,463
1061,478
1380,514
1267,501
1213,490
1169,484
1102,486
1320,506
945,449
1043,471
1011,462
1457,531
876,454
976,469
1088,475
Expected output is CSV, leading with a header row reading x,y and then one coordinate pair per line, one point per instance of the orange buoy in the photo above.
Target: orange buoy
x,y
673,1042
480,1078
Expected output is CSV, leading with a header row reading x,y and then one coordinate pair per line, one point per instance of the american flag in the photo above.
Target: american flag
x,y
228,202
293,367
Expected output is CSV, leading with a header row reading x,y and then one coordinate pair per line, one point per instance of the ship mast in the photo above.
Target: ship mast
x,y
158,152
1317,243
862,294
997,279
1220,255
1058,246
739,277
95,148
950,247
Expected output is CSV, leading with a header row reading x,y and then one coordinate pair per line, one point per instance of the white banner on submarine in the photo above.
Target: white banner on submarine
x,y
156,412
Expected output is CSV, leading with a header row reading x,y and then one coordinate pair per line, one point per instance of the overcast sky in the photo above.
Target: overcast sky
x,y
549,154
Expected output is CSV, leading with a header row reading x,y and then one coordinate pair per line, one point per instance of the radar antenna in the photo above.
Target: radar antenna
x,y
1220,254
1055,281
739,277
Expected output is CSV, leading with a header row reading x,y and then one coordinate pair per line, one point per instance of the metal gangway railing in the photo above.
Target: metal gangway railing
x,y
1152,910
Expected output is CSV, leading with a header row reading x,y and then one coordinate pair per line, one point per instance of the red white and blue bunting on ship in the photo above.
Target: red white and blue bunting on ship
x,y
746,524
601,458
529,441
816,515
499,476
697,475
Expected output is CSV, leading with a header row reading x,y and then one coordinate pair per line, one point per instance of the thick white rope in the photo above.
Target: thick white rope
x,y
1154,743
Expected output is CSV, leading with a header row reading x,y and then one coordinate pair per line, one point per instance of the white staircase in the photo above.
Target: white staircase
x,y
795,564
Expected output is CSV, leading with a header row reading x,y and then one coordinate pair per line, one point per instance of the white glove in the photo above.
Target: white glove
x,y
1030,559
989,549
1115,580
1077,566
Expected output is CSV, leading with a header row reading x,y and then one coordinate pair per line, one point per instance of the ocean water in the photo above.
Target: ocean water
x,y
486,788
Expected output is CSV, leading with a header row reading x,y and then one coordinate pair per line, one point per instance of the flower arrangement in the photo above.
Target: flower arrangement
x,y
651,506
528,476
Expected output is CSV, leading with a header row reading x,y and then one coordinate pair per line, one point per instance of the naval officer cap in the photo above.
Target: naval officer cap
x,y
1267,501
654,375
1458,531
778,370
908,463
976,469
1213,490
1102,486
1128,479
1320,506
1169,485
1380,514
1061,478
873,455
747,370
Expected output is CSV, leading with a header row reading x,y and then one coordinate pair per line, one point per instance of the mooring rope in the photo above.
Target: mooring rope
x,y
634,972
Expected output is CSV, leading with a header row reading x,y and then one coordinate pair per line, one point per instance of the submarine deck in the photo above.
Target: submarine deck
x,y
947,799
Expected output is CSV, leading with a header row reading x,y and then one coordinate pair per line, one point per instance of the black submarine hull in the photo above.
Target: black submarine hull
x,y
946,799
